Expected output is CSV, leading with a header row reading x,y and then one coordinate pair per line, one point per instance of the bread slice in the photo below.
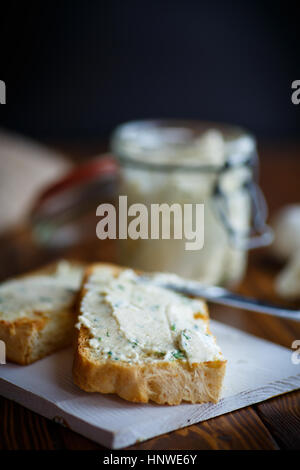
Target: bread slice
x,y
137,347
37,311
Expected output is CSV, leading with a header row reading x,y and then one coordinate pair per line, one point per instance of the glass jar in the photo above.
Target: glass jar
x,y
189,162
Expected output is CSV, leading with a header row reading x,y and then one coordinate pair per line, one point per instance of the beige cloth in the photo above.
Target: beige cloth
x,y
26,167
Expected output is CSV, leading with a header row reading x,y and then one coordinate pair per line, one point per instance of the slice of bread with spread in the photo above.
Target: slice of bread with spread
x,y
144,342
37,311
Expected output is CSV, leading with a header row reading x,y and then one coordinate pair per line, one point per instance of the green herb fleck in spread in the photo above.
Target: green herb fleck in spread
x,y
185,335
178,354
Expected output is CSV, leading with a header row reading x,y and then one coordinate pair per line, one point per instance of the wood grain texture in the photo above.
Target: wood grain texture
x,y
22,429
268,425
242,429
281,415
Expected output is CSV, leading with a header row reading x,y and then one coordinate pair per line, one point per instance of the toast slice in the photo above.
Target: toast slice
x,y
144,342
37,311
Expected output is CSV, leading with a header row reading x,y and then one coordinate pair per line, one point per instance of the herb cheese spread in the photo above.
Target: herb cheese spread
x,y
133,321
27,296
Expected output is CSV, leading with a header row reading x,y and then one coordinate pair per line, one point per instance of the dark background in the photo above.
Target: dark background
x,y
74,70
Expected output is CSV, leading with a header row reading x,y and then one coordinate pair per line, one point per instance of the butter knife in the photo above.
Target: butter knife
x,y
219,295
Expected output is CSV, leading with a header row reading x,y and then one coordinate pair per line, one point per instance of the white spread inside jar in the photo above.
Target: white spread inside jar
x,y
219,261
136,322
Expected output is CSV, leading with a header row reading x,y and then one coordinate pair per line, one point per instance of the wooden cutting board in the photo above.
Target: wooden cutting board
x,y
257,370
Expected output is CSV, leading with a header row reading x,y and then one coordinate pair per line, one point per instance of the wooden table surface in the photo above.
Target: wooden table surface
x,y
273,424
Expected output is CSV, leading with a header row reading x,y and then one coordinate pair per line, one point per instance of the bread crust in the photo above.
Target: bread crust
x,y
29,339
162,382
